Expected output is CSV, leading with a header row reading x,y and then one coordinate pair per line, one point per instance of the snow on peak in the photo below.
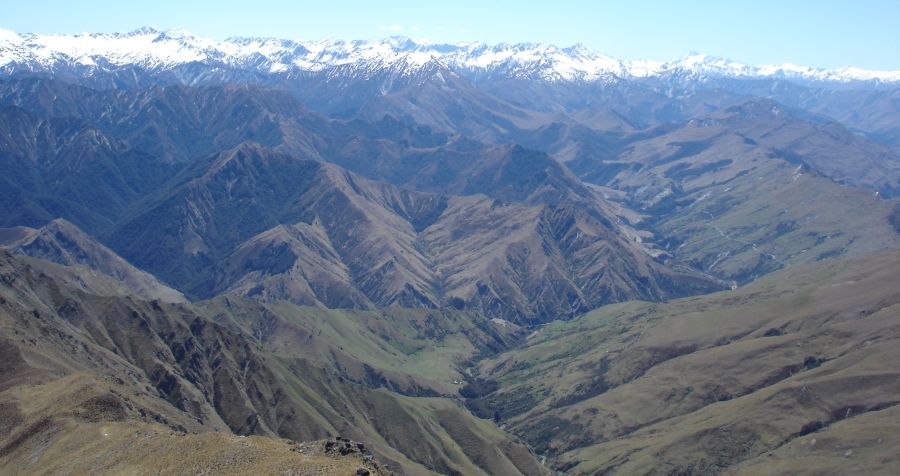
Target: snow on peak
x,y
156,49
704,66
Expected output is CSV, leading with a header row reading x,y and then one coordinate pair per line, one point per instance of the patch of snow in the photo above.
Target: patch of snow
x,y
155,49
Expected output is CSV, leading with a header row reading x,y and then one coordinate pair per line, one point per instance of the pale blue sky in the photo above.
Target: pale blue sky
x,y
822,33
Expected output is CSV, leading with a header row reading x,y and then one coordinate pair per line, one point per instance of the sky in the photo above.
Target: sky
x,y
821,33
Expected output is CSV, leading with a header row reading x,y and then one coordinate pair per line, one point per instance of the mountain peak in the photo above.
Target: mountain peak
x,y
402,43
62,242
146,30
155,49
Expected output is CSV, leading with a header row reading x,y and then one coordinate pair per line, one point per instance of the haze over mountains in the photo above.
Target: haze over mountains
x,y
398,243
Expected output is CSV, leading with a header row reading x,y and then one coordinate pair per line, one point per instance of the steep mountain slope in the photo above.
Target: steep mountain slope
x,y
175,124
705,384
169,133
63,243
237,194
515,262
274,227
430,94
764,128
739,193
172,365
871,111
876,113
528,263
211,224
56,167
776,216
461,167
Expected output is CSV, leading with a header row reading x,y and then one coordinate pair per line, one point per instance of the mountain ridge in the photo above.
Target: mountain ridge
x,y
64,243
156,49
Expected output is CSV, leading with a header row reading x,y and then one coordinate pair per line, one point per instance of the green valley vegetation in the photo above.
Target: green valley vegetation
x,y
783,375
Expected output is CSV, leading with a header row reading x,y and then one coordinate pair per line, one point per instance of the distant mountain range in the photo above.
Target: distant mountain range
x,y
160,50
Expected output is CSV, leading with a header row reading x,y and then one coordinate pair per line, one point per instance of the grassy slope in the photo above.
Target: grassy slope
x,y
634,386
773,217
860,445
751,189
81,424
705,383
413,352
279,371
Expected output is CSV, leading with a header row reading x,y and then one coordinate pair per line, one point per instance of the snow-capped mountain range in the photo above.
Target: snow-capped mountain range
x,y
158,50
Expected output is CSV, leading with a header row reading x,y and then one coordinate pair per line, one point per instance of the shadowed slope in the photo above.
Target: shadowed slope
x,y
63,243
